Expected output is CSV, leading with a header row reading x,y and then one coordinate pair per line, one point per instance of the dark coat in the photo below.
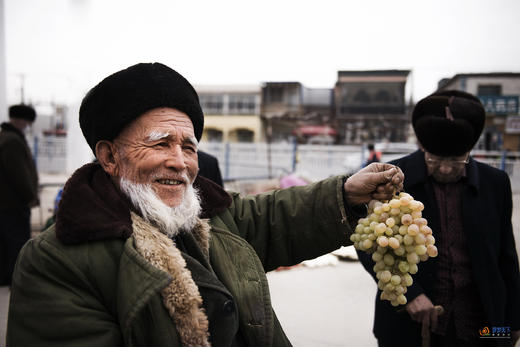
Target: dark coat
x,y
18,176
486,209
208,167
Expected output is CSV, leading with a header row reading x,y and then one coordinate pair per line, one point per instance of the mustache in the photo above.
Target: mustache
x,y
178,176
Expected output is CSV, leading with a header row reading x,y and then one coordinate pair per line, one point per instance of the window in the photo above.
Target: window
x,y
245,135
489,89
213,135
211,103
275,94
241,103
382,96
362,96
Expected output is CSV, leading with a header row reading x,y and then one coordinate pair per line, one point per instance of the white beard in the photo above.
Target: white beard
x,y
169,220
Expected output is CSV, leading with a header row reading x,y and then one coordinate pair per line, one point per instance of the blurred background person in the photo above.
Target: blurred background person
x,y
18,187
208,167
373,155
468,206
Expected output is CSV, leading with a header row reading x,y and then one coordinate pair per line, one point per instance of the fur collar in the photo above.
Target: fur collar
x,y
92,208
181,297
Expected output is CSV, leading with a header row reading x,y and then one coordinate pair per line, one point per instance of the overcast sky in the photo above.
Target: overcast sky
x,y
64,47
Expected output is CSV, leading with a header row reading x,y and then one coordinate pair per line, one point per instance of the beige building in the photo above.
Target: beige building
x,y
231,113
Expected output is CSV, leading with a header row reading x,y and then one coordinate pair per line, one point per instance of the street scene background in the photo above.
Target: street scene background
x,y
292,91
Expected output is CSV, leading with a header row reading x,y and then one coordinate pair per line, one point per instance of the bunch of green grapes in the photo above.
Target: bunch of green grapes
x,y
398,238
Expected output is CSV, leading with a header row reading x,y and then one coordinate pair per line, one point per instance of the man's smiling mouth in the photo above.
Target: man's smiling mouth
x,y
169,182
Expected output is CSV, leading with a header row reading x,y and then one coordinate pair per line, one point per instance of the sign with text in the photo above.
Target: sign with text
x,y
512,125
500,104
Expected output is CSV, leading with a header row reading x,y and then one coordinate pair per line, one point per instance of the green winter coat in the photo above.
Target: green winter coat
x,y
79,287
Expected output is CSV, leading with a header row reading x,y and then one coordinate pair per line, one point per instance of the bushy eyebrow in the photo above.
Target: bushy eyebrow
x,y
158,135
193,141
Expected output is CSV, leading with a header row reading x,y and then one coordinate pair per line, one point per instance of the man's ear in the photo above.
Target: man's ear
x,y
106,154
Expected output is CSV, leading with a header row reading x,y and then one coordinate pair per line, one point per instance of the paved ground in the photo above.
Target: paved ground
x,y
318,307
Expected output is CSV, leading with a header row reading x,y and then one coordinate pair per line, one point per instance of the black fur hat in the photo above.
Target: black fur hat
x,y
448,123
127,94
23,112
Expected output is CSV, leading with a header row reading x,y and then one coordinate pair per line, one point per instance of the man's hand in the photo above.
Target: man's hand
x,y
515,335
375,181
423,311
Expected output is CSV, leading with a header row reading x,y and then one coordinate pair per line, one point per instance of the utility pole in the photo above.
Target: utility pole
x,y
22,88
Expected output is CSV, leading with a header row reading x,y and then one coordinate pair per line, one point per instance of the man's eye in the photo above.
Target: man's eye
x,y
190,149
161,144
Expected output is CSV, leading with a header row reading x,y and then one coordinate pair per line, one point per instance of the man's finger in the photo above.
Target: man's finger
x,y
390,173
434,317
425,325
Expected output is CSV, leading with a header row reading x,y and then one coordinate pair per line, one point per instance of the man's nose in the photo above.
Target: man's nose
x,y
175,158
445,168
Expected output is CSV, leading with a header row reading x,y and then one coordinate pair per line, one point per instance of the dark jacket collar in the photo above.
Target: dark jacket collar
x,y
416,172
10,127
92,208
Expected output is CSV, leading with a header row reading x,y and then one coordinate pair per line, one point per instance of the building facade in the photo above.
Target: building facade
x,y
231,113
370,106
290,111
499,93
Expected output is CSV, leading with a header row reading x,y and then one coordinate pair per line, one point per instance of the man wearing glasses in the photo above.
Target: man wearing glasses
x,y
468,206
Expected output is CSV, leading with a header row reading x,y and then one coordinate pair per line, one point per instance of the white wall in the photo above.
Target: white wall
x,y
78,151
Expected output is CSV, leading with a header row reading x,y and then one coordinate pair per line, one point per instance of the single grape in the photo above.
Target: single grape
x,y
393,242
406,219
403,266
416,214
399,251
408,240
420,249
420,239
412,258
413,229
390,222
386,276
431,250
382,241
426,230
401,299
377,256
395,280
388,259
408,280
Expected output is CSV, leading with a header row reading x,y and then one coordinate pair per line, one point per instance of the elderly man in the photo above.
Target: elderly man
x,y
146,253
468,205
18,188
